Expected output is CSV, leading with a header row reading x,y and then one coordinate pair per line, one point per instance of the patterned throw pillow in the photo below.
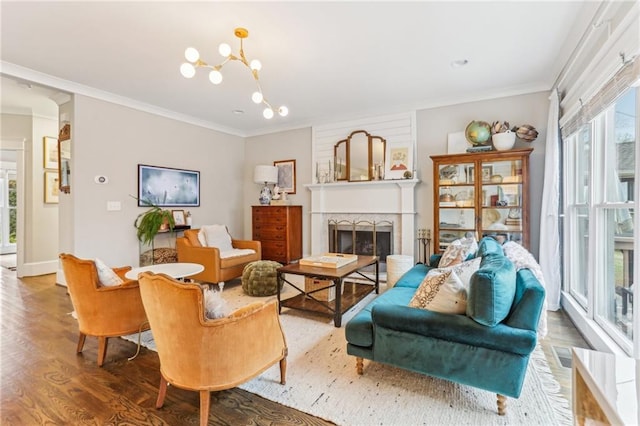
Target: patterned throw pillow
x,y
458,251
106,275
441,291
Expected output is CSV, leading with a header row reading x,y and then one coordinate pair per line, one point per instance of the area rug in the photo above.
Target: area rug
x,y
322,381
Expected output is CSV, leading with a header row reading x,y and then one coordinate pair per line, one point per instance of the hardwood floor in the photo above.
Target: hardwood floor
x,y
45,382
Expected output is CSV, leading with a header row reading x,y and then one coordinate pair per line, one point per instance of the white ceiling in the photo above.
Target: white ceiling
x,y
324,60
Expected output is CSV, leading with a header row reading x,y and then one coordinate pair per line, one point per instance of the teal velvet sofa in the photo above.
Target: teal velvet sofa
x,y
459,348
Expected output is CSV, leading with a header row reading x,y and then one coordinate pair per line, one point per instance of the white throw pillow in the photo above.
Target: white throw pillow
x,y
201,238
214,305
106,275
217,236
441,292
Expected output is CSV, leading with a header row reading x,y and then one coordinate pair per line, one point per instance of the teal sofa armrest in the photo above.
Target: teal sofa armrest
x,y
528,302
453,328
434,260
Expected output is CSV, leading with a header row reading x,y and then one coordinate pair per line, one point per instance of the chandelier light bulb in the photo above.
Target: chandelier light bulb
x,y
187,70
224,49
257,97
255,65
190,68
191,54
215,77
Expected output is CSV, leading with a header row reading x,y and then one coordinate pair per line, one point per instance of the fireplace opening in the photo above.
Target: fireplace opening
x,y
362,237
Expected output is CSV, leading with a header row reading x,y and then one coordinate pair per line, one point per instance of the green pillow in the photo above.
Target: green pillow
x,y
489,245
491,290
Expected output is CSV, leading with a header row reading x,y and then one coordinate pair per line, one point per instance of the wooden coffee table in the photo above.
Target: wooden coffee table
x,y
307,302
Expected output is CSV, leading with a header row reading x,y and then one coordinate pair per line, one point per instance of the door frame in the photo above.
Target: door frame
x,y
18,145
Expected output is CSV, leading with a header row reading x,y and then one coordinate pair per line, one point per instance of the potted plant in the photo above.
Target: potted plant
x,y
152,221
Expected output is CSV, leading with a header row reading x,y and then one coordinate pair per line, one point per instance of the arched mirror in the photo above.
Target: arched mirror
x,y
359,160
378,146
340,160
360,157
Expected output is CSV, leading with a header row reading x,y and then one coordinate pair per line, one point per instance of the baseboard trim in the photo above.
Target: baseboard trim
x,y
589,329
39,268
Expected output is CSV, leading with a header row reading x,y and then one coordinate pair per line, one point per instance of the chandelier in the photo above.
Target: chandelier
x,y
188,70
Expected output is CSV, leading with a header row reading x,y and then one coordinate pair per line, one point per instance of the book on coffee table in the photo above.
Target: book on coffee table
x,y
329,260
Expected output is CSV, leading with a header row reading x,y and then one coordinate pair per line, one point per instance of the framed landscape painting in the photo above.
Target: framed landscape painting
x,y
168,187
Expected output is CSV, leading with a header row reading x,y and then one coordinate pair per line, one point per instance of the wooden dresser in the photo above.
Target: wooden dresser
x,y
279,229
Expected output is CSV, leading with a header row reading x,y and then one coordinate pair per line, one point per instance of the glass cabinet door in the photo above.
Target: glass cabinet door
x,y
501,196
481,194
456,202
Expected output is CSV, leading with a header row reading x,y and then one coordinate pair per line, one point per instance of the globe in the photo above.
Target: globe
x,y
478,132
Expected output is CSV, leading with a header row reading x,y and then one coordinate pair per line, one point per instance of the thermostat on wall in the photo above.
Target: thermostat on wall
x,y
101,179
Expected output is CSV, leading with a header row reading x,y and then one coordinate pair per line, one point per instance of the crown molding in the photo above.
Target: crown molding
x,y
17,71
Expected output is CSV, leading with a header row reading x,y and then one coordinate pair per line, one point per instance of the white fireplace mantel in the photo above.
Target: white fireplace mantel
x,y
382,197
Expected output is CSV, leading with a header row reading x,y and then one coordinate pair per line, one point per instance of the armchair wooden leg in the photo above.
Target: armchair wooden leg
x,y
162,392
204,407
502,405
102,349
359,365
81,339
283,371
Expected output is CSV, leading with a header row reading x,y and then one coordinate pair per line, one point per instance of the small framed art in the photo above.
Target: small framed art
x,y
51,187
178,217
50,152
286,175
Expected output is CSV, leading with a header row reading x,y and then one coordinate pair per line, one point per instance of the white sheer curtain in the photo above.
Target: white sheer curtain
x,y
549,255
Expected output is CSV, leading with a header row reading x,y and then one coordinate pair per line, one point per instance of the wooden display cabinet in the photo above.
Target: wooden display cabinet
x,y
485,194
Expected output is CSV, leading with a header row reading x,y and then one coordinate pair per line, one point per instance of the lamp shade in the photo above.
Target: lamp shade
x,y
268,174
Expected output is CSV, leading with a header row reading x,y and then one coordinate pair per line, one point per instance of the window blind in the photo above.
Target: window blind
x,y
625,77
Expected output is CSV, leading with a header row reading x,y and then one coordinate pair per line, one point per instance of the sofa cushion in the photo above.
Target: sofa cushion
x,y
441,291
491,290
451,328
359,330
487,246
413,277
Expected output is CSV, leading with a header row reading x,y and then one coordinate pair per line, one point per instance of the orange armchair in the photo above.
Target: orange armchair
x,y
102,311
209,355
216,269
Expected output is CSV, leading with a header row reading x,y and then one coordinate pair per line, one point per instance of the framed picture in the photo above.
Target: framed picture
x,y
487,171
398,161
168,187
178,217
286,175
51,187
50,152
64,165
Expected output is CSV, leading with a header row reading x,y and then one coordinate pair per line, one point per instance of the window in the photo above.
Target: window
x,y
600,170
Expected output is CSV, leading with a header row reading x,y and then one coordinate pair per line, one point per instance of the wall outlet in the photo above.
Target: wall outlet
x,y
113,206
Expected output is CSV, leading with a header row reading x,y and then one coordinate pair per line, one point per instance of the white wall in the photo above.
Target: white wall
x,y
435,124
265,149
111,140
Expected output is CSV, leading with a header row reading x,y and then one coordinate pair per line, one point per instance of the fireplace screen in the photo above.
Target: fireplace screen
x,y
362,237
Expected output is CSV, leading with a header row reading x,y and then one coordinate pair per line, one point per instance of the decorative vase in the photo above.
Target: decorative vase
x,y
504,141
265,196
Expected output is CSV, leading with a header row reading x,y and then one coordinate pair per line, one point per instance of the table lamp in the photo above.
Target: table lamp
x,y
265,175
